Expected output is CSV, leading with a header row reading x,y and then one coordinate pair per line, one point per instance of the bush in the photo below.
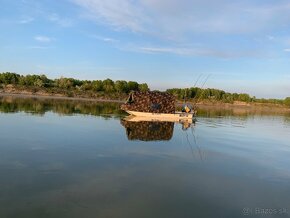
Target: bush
x,y
287,101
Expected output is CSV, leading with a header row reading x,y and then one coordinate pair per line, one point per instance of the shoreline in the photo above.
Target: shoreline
x,y
202,105
18,95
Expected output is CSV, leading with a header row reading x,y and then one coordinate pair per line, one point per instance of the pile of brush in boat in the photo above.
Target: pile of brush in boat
x,y
159,105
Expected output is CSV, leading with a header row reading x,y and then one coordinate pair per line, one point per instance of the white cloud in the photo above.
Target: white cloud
x,y
64,22
175,18
223,28
38,47
287,49
109,40
26,20
43,39
119,14
197,51
104,39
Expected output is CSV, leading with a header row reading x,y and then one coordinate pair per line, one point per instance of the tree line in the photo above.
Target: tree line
x,y
41,81
196,94
96,88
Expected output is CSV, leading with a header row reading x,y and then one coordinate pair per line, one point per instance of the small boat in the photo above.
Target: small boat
x,y
163,116
136,118
156,105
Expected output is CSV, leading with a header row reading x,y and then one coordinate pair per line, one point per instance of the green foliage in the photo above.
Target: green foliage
x,y
143,87
287,101
133,86
244,97
9,78
64,83
195,94
97,85
55,86
86,85
35,80
121,86
109,88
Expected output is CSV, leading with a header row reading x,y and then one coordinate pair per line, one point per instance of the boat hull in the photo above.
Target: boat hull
x,y
163,116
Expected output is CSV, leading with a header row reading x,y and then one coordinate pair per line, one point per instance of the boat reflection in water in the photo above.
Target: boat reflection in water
x,y
146,129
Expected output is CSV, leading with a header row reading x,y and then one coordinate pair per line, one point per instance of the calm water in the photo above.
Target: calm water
x,y
66,159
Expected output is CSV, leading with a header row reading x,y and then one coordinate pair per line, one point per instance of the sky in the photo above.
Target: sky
x,y
243,46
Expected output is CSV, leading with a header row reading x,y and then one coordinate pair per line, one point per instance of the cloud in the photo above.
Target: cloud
x,y
196,51
119,14
176,18
222,28
38,47
26,20
287,49
104,39
43,39
64,22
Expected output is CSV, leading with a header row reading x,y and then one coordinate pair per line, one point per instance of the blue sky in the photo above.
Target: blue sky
x,y
244,45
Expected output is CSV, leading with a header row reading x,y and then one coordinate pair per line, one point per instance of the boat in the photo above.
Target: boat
x,y
175,117
155,105
136,119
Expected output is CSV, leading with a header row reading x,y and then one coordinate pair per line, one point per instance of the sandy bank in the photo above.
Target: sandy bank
x,y
17,95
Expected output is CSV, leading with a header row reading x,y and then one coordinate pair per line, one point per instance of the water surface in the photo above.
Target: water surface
x,y
82,159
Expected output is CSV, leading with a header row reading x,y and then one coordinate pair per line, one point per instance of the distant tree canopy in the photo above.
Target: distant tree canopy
x,y
212,94
107,85
196,94
121,87
9,78
287,101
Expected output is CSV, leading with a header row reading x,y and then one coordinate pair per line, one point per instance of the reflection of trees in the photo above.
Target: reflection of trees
x,y
287,120
63,107
241,112
148,131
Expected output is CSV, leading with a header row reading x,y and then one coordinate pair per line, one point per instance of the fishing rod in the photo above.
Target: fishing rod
x,y
195,102
197,80
202,90
185,94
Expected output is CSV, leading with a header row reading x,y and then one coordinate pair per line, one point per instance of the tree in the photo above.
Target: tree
x,y
87,85
108,85
97,85
235,96
64,83
143,87
9,78
121,86
39,83
46,82
193,92
244,97
287,101
133,86
32,80
227,98
216,94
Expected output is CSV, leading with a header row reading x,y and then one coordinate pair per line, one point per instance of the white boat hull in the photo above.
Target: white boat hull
x,y
162,116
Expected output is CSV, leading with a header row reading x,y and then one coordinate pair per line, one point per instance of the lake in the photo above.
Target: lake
x,y
69,159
